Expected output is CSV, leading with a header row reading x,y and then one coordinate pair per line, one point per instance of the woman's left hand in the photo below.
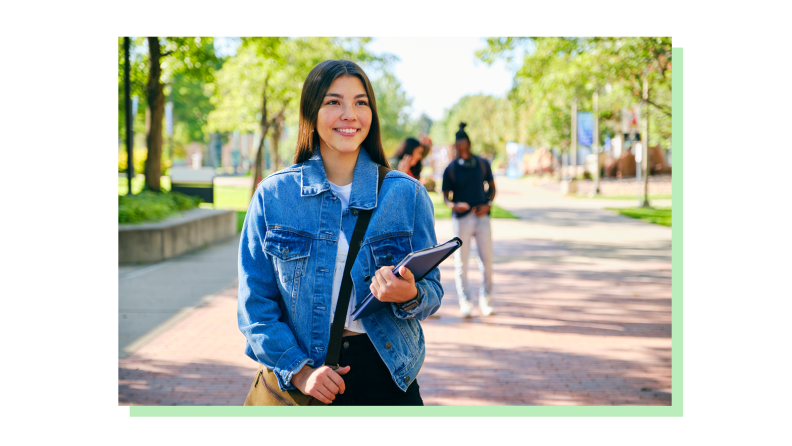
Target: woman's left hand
x,y
386,287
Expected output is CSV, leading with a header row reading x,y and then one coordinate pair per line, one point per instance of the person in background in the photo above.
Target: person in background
x,y
464,193
408,156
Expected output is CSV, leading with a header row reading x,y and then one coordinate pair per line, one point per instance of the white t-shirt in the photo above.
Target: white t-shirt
x,y
343,192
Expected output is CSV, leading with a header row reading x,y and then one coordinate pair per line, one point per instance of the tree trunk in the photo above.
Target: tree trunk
x,y
257,176
274,138
156,104
277,131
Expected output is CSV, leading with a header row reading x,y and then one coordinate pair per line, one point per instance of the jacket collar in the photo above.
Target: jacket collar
x,y
364,181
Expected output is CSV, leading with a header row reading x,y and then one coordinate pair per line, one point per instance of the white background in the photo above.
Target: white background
x,y
59,234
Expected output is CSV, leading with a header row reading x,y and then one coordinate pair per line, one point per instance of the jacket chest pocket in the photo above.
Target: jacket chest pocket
x,y
289,253
390,251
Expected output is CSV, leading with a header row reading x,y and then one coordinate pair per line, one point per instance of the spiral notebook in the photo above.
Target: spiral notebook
x,y
420,263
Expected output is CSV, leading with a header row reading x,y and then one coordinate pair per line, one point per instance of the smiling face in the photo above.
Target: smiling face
x,y
344,119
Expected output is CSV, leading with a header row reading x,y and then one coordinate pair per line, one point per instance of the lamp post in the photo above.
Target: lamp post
x,y
595,147
573,148
128,108
645,137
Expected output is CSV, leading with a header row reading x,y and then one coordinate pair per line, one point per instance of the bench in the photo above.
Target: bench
x,y
195,182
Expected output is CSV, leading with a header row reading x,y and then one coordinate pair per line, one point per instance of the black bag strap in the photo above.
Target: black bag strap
x,y
342,306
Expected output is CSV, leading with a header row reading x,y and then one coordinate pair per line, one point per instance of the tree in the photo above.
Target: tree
x,y
556,70
191,98
393,109
489,119
424,124
260,87
138,75
168,57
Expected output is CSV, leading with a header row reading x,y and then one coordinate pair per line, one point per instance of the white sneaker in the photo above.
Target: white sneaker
x,y
465,308
486,308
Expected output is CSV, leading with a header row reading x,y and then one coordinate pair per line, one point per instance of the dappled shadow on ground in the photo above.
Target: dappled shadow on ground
x,y
572,299
564,332
506,251
572,217
657,251
462,374
172,383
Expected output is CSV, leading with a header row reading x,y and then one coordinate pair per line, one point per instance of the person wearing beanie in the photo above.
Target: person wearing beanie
x,y
465,194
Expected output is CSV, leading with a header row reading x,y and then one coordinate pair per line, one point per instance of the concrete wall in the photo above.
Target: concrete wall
x,y
154,242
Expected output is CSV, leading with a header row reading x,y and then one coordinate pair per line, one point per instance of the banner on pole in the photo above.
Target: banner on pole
x,y
585,128
514,153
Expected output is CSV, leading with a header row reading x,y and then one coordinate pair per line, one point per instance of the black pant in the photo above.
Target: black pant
x,y
369,382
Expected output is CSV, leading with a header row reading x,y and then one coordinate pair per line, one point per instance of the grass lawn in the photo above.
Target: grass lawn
x,y
225,197
659,215
442,211
238,199
624,197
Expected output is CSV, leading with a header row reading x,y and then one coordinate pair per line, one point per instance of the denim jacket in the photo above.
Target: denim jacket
x,y
287,258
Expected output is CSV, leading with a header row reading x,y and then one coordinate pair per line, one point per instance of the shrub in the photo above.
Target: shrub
x,y
149,206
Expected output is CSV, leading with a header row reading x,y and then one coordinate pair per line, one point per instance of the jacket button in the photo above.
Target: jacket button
x,y
388,345
389,257
285,251
367,278
406,379
354,211
346,344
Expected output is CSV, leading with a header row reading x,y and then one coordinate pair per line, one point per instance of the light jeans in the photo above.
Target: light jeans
x,y
466,228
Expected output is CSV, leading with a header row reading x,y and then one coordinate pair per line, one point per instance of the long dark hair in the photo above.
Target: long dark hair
x,y
406,148
313,92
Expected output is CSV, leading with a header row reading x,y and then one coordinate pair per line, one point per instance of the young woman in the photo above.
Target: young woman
x,y
408,156
295,242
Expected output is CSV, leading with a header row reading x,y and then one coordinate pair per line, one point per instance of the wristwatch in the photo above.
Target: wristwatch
x,y
412,303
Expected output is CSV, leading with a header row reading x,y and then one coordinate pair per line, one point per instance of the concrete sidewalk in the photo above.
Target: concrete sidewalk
x,y
152,298
583,317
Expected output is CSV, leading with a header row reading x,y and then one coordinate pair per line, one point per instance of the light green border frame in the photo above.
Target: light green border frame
x,y
674,410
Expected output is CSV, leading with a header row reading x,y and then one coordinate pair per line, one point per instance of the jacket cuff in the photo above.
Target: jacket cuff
x,y
418,309
293,361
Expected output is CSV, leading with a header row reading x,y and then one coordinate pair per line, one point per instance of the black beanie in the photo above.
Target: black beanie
x,y
461,133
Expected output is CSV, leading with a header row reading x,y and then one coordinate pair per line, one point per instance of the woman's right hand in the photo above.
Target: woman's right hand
x,y
322,383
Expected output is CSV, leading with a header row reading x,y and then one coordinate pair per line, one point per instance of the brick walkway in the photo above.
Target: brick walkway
x,y
570,329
